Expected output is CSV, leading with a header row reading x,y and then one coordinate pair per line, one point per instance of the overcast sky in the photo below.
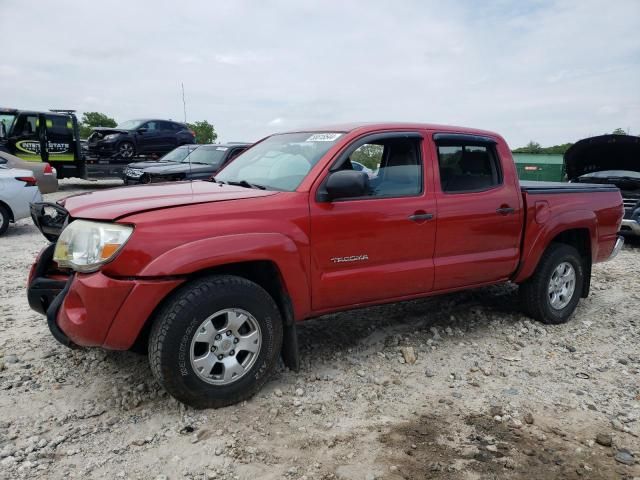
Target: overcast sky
x,y
544,70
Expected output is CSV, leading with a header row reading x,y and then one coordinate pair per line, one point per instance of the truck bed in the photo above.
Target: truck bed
x,y
534,187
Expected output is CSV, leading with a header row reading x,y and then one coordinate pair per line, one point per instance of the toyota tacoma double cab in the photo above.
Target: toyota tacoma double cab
x,y
213,276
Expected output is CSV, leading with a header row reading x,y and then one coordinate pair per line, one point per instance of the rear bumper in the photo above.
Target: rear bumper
x,y
95,310
630,226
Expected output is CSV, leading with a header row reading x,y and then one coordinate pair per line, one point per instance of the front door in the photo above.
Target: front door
x,y
379,246
479,212
26,139
150,139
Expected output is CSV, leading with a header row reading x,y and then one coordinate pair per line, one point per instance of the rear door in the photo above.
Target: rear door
x,y
479,212
379,246
168,135
59,138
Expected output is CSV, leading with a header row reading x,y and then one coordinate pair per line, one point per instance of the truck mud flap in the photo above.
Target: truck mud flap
x,y
290,351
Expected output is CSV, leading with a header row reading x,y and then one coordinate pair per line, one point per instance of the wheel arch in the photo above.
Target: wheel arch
x,y
264,273
11,215
577,229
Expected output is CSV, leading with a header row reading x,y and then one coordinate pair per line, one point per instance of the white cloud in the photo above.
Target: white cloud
x,y
548,70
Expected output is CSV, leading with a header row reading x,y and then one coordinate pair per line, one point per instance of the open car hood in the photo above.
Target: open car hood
x,y
114,203
605,152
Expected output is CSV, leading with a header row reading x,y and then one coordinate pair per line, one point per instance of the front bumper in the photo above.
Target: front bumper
x,y
102,148
93,309
631,226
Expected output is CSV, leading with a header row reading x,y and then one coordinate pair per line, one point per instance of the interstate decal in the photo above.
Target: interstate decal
x,y
57,150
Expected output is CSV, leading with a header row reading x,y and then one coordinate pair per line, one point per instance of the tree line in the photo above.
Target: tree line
x,y
205,132
535,147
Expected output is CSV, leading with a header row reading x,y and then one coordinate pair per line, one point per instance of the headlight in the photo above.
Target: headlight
x,y
84,246
111,136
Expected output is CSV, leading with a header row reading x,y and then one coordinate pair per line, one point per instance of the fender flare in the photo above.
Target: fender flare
x,y
214,252
532,252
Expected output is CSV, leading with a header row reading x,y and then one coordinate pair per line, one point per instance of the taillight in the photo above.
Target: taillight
x,y
29,181
47,169
192,133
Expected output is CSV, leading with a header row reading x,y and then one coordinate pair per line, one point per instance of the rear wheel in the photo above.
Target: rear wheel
x,y
5,218
216,341
551,295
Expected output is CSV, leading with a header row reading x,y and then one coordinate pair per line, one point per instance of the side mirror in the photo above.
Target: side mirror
x,y
142,130
346,184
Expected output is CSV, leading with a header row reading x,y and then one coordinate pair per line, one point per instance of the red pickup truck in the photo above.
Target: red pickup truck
x,y
214,275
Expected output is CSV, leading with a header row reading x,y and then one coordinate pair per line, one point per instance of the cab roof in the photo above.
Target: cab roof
x,y
376,126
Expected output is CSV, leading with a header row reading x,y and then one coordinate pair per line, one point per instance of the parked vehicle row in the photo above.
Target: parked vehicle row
x,y
45,175
187,162
54,137
215,275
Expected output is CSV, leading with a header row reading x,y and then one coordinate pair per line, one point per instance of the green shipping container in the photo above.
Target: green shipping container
x,y
532,166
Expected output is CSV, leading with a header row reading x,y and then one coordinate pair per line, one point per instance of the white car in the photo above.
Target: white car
x,y
18,189
362,168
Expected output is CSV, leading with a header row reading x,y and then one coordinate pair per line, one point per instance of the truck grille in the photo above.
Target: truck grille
x,y
630,201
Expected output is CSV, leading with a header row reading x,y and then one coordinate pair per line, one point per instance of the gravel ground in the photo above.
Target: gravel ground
x,y
458,387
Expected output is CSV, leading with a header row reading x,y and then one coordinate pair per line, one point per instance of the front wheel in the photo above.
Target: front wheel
x,y
216,341
551,295
126,150
5,218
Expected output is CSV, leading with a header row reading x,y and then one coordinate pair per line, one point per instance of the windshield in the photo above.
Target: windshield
x,y
281,161
6,123
129,125
209,155
178,154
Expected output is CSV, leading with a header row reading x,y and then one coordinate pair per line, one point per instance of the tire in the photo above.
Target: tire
x,y
541,295
5,218
173,346
126,150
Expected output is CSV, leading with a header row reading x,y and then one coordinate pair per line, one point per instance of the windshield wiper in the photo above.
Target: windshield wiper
x,y
244,183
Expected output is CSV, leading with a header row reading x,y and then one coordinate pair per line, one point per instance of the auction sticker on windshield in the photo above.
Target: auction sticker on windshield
x,y
323,137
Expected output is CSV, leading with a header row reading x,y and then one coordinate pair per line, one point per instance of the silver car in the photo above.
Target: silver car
x,y
18,190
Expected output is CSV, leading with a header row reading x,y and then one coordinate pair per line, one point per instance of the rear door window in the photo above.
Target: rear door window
x,y
468,168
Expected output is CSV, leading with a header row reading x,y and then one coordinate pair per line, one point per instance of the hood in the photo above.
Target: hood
x,y
171,168
107,130
605,152
150,163
115,203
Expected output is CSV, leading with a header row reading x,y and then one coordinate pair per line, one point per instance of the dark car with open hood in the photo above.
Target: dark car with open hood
x,y
136,137
188,162
614,160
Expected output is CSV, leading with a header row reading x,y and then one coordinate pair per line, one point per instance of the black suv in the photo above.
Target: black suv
x,y
136,137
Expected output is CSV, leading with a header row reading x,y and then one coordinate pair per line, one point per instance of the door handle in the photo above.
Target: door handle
x,y
505,210
420,217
